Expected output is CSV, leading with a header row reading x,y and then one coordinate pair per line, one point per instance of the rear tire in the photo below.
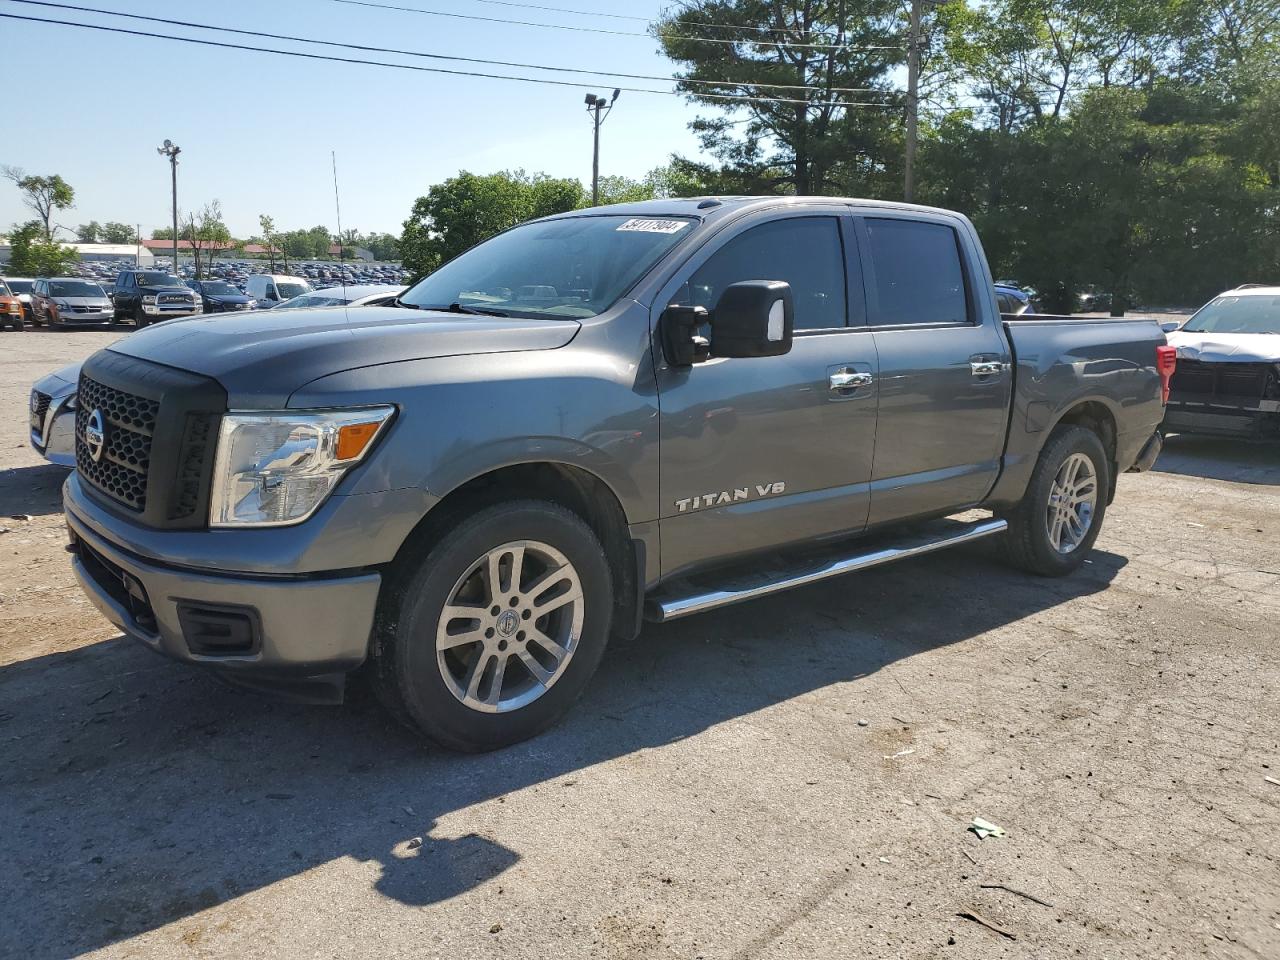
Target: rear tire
x,y
484,681
1054,526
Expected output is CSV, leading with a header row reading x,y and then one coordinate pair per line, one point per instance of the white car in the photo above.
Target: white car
x,y
1228,377
270,289
352,295
53,415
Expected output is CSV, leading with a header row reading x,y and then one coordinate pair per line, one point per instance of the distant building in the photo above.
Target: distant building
x,y
139,256
98,251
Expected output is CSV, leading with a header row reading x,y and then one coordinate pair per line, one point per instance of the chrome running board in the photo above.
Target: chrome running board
x,y
662,608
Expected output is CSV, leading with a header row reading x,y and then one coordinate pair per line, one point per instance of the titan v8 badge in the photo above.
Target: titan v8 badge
x,y
722,497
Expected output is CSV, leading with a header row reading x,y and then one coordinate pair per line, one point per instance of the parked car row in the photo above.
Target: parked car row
x,y
53,398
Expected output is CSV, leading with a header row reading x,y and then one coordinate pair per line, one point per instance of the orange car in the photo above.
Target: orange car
x,y
10,308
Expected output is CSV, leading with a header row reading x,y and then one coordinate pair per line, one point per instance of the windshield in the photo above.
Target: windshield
x,y
576,267
158,278
4,289
19,286
74,288
1257,314
216,288
312,300
287,290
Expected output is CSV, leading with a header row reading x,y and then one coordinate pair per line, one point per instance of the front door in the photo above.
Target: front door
x,y
761,452
944,376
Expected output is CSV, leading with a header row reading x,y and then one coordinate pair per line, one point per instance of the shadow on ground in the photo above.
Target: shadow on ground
x,y
1220,458
35,491
138,791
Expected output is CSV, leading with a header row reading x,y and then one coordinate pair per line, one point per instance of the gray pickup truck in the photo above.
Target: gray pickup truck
x,y
640,411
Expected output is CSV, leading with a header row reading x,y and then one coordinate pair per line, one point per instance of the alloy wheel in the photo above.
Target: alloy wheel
x,y
510,626
1073,498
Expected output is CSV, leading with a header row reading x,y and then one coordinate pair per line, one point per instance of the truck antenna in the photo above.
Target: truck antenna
x,y
337,205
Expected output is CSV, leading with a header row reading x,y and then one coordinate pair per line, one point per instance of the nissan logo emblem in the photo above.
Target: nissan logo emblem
x,y
95,435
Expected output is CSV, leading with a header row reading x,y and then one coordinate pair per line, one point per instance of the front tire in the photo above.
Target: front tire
x,y
1054,526
488,636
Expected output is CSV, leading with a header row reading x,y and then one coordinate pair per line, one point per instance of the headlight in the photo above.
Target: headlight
x,y
149,298
274,469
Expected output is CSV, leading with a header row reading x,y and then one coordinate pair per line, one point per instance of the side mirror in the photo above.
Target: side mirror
x,y
754,318
1169,326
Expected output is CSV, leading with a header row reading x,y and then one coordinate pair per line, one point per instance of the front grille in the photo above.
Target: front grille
x,y
130,422
160,429
173,298
1200,382
41,408
121,586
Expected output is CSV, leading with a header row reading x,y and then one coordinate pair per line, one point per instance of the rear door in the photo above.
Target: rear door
x,y
944,379
761,452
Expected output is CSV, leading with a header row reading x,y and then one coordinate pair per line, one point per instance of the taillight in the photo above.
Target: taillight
x,y
1166,363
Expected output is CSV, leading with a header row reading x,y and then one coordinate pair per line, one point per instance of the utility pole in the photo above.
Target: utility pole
x,y
171,150
913,102
594,106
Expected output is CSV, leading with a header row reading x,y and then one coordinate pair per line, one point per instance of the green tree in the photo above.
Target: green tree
x,y
466,209
815,54
206,233
90,232
268,227
44,195
113,232
30,254
162,233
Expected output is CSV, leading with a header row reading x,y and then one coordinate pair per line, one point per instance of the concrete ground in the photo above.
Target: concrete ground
x,y
792,778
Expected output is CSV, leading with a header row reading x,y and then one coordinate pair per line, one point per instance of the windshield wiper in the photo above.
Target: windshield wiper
x,y
456,307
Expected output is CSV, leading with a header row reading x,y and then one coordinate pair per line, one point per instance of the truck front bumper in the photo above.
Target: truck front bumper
x,y
289,633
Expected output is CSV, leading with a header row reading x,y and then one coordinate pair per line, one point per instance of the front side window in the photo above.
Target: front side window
x,y
1256,314
556,269
803,251
919,278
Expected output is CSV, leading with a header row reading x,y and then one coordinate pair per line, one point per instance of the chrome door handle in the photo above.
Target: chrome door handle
x,y
986,368
850,380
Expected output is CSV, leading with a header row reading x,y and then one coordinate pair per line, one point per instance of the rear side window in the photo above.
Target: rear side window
x,y
918,276
804,252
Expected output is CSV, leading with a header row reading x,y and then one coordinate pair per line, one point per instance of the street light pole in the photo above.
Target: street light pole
x,y
594,106
171,150
913,102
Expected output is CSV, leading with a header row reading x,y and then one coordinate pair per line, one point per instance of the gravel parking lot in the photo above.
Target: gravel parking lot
x,y
788,779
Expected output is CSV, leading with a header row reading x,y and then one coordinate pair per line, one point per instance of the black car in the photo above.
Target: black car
x,y
149,296
220,296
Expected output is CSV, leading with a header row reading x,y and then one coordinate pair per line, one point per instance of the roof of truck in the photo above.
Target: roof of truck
x,y
707,208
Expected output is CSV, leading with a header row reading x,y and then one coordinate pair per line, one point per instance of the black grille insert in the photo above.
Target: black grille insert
x,y
38,411
129,423
160,428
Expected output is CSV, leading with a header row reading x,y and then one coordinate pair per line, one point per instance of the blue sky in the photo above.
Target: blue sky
x,y
256,130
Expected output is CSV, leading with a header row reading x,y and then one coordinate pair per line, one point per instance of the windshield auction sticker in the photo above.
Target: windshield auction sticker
x,y
638,225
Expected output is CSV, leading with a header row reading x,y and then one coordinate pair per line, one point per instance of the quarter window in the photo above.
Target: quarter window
x,y
802,251
918,276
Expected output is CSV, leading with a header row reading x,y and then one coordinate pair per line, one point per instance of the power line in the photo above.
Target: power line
x,y
632,16
616,33
733,98
434,56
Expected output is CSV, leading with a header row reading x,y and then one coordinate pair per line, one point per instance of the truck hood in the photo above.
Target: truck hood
x,y
261,357
1227,347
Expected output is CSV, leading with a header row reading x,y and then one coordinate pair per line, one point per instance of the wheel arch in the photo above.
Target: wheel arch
x,y
570,486
1094,414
